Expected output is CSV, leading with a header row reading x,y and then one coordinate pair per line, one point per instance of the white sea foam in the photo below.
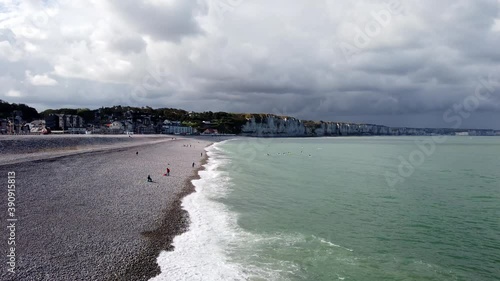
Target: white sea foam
x,y
200,253
332,244
214,247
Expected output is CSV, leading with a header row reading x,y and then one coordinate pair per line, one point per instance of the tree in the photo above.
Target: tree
x,y
87,114
29,113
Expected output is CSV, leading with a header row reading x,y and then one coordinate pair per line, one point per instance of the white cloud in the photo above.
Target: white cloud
x,y
40,80
13,93
9,52
496,26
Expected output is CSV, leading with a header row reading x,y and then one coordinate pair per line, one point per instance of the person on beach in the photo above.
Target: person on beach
x,y
168,172
137,153
150,179
201,154
192,165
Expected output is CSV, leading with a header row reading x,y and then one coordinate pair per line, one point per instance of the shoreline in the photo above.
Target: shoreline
x,y
91,215
175,221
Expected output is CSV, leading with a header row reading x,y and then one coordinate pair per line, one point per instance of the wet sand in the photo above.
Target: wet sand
x,y
94,216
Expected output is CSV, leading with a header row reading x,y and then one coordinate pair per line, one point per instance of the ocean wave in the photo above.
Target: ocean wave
x,y
200,253
205,251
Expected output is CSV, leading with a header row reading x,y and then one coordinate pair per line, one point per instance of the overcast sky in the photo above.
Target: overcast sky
x,y
421,63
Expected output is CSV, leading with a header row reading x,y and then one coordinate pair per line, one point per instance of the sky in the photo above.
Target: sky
x,y
414,63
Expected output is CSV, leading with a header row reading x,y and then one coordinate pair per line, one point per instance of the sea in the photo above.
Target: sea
x,y
343,208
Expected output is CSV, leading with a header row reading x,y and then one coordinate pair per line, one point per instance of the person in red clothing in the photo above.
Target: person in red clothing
x,y
168,172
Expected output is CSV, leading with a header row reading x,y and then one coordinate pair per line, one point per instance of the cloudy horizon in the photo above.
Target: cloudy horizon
x,y
390,62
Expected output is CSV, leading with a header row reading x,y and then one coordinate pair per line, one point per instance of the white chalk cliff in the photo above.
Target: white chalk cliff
x,y
276,126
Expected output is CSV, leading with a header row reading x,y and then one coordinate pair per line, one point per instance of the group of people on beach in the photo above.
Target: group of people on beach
x,y
167,173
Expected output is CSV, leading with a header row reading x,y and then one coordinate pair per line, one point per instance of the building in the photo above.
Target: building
x,y
128,126
52,121
172,123
176,128
145,129
73,121
117,127
124,126
4,126
210,132
36,126
64,122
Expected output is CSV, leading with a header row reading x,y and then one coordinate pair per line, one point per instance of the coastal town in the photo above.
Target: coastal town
x,y
127,120
74,124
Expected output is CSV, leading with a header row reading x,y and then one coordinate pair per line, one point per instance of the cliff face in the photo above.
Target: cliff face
x,y
277,126
274,126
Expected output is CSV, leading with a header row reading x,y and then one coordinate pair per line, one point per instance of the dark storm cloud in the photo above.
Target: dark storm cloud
x,y
169,22
277,56
433,69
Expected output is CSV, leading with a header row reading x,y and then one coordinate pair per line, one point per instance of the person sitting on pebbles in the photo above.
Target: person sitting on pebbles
x,y
150,179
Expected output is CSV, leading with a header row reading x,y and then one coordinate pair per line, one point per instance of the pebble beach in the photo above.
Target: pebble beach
x,y
85,208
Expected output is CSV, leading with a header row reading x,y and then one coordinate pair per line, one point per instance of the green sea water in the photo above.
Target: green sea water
x,y
329,209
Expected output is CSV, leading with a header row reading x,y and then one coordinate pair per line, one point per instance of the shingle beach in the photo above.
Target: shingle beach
x,y
84,206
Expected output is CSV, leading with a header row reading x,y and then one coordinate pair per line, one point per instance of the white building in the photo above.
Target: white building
x,y
116,127
178,130
36,126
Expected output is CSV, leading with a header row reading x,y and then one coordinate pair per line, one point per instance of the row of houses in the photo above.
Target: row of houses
x,y
140,127
75,124
13,125
275,126
478,133
64,122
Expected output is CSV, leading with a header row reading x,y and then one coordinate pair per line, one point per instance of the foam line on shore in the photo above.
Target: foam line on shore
x,y
199,253
134,219
215,247
175,221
